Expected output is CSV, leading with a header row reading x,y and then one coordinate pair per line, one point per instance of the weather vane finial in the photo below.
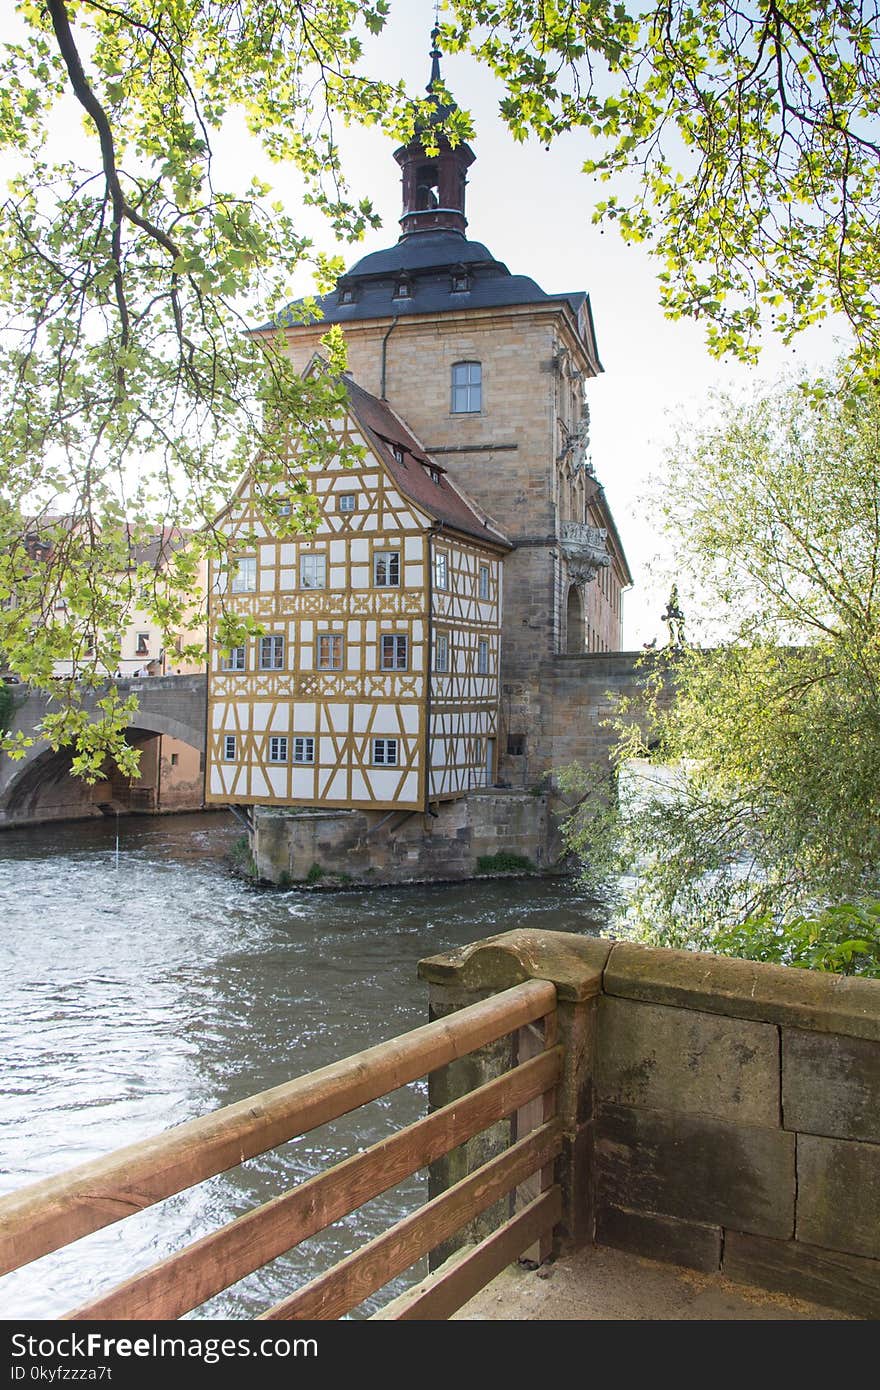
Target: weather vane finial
x,y
435,51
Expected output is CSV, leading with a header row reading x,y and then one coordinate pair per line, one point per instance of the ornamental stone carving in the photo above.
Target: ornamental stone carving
x,y
584,550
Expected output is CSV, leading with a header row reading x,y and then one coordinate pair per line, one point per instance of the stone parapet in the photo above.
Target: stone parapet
x,y
719,1113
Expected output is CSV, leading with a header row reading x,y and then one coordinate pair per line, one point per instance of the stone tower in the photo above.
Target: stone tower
x,y
491,373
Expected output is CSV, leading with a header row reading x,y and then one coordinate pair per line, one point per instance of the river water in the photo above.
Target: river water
x,y
143,987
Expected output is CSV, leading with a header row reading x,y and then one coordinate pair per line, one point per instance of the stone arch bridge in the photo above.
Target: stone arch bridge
x,y
39,786
558,716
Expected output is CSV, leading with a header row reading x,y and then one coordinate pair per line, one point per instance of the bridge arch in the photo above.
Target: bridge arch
x,y
40,785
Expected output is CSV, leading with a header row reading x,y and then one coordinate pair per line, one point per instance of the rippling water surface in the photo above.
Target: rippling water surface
x,y
143,988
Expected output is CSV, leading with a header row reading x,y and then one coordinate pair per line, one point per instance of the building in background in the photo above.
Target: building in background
x,y
423,650
491,373
171,774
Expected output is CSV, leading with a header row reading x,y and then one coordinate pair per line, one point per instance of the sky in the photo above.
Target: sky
x,y
532,208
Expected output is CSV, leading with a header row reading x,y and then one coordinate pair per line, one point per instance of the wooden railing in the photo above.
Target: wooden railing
x,y
53,1213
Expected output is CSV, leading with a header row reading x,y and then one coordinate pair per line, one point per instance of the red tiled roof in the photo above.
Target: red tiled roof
x,y
442,499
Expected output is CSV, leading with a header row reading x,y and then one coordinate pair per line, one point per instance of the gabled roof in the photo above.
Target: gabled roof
x,y
441,499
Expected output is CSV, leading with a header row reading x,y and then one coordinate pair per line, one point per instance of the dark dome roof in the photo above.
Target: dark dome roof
x,y
427,260
423,251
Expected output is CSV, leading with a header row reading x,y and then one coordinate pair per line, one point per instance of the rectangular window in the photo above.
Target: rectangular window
x,y
483,656
235,661
303,750
441,651
348,502
386,569
143,644
441,570
484,581
467,388
330,651
272,653
385,752
313,571
244,577
395,651
229,748
277,750
174,759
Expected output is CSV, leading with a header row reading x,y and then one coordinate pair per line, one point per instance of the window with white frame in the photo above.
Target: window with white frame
x,y
441,570
385,752
467,388
143,644
244,576
229,748
347,502
441,651
330,651
277,749
235,660
303,750
394,651
484,581
313,571
386,569
272,653
483,656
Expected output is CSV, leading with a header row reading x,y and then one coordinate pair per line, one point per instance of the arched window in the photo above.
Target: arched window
x,y
467,388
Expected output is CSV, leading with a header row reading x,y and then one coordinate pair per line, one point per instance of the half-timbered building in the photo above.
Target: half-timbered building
x,y
373,682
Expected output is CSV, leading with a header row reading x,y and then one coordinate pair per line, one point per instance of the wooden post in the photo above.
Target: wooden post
x,y
574,964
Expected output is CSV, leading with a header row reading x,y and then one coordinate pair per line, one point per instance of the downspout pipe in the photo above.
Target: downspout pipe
x,y
394,323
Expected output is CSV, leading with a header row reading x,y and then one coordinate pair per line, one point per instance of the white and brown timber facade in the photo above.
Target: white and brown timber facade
x,y
374,684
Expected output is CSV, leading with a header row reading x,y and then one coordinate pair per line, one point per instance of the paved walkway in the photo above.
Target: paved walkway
x,y
598,1284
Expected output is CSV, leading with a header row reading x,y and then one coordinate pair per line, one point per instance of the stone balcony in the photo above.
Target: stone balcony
x,y
585,550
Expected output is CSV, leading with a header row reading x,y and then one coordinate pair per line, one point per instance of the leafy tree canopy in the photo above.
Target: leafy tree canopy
x,y
130,274
132,396
752,130
761,806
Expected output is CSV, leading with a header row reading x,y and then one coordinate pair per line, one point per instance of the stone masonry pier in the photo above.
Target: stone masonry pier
x,y
720,1114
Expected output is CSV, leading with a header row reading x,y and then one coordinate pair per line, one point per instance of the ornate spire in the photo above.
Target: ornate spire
x,y
435,56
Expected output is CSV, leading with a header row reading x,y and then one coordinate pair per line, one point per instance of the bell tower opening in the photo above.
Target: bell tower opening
x,y
427,188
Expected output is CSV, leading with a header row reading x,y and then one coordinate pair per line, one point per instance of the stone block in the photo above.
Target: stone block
x,y
804,1271
808,999
689,1243
838,1203
697,1168
831,1085
678,1059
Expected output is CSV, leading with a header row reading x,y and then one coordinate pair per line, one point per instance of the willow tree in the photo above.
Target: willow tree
x,y
760,806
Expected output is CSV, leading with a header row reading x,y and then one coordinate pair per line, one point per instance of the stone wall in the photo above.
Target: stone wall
x,y
721,1114
562,713
504,455
373,847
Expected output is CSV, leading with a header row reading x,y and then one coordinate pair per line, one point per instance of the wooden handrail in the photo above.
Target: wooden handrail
x,y
353,1279
48,1214
188,1278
